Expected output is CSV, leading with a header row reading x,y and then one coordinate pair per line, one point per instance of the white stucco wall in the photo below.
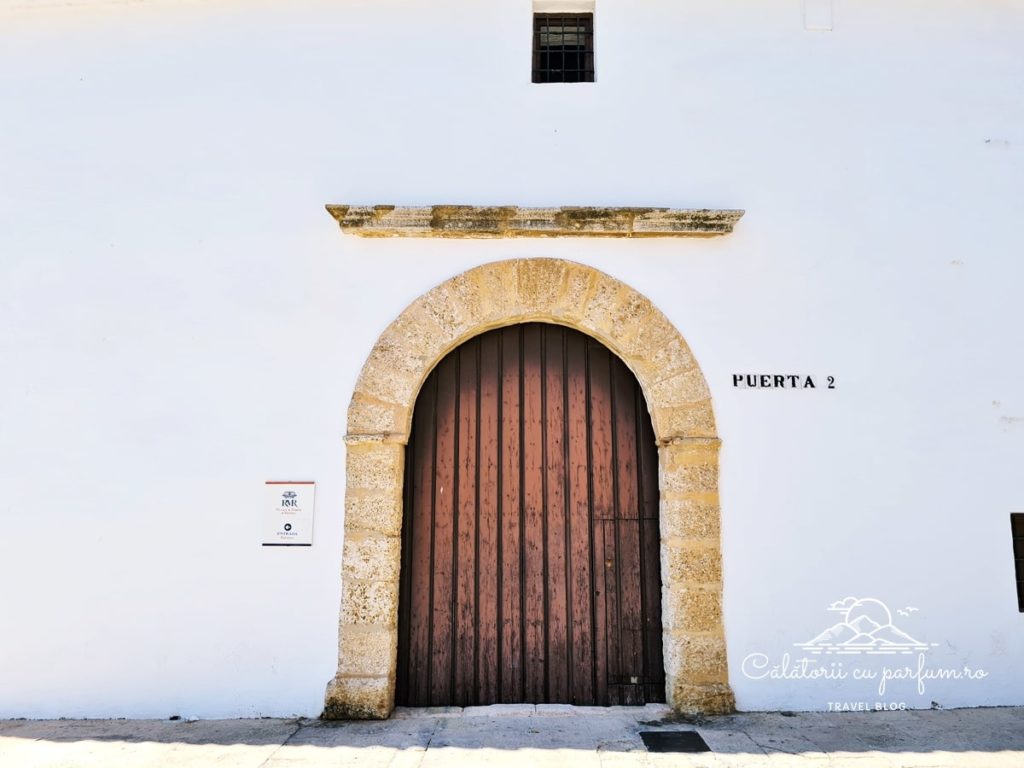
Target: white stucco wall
x,y
182,321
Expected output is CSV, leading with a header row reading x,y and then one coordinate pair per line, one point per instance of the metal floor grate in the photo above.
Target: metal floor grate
x,y
674,741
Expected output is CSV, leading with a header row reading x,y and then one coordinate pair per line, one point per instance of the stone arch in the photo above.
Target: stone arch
x,y
379,422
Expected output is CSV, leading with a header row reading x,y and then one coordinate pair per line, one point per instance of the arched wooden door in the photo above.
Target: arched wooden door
x,y
530,544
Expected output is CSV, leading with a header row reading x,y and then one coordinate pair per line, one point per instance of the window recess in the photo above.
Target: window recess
x,y
563,47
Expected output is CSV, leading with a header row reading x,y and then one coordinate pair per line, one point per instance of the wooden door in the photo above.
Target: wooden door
x,y
530,545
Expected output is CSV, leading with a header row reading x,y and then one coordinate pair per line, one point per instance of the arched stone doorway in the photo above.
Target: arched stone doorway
x,y
379,423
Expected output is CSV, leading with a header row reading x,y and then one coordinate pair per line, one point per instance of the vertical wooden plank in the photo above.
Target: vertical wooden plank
x,y
488,563
630,610
534,577
602,513
650,554
624,406
648,458
416,549
654,665
464,632
512,666
442,557
630,599
615,671
555,515
579,526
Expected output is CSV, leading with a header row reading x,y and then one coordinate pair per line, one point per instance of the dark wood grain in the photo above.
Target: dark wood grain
x,y
488,563
464,557
627,536
442,562
558,668
602,514
650,555
512,671
578,525
535,598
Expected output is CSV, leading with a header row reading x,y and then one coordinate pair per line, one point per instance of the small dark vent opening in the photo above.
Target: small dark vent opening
x,y
563,48
674,741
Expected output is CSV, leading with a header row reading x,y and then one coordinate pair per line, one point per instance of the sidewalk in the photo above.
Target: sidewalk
x,y
524,735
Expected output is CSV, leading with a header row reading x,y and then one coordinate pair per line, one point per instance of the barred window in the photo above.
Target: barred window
x,y
563,48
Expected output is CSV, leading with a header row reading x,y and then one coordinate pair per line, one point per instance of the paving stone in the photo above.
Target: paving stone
x,y
556,710
404,713
499,710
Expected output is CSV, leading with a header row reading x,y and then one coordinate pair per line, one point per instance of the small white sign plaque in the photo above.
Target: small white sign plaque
x,y
288,517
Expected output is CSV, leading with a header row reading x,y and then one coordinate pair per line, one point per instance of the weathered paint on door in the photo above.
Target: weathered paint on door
x,y
530,551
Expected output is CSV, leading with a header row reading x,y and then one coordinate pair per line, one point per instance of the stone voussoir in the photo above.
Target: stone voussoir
x,y
692,420
386,378
685,387
418,335
440,304
602,304
632,313
670,359
579,283
371,417
539,284
497,302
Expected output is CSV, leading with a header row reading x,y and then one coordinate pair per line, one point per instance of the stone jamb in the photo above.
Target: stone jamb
x,y
379,422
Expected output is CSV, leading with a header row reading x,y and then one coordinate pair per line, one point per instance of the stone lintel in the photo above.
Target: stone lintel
x,y
511,221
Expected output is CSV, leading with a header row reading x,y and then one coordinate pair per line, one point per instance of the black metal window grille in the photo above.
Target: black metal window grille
x,y
1017,528
563,48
